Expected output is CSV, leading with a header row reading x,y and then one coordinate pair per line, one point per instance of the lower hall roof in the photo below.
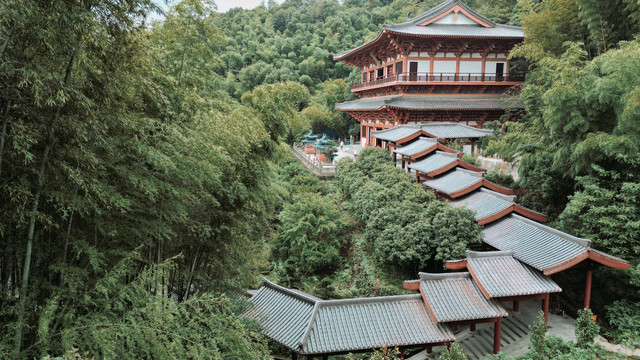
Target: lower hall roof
x,y
308,325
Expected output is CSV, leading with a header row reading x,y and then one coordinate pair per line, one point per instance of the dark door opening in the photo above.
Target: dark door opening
x,y
380,73
499,71
413,71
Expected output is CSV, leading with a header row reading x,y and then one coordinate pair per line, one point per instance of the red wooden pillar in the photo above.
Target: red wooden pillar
x,y
402,163
545,307
429,349
472,327
496,336
402,353
294,356
516,306
587,288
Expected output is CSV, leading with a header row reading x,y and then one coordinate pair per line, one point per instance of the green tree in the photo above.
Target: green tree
x,y
586,328
454,352
312,233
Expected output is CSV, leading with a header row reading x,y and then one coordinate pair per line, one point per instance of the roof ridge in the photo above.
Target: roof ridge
x,y
364,300
510,198
307,330
444,153
485,254
300,294
586,243
444,276
469,172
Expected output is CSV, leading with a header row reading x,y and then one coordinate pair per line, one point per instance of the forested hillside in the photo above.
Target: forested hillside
x,y
146,181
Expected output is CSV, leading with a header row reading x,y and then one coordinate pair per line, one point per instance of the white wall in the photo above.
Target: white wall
x,y
470,67
450,19
444,66
423,66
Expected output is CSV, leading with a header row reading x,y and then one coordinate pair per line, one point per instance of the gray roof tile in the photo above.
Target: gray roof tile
x,y
454,181
449,130
366,323
485,203
455,297
499,274
283,314
434,162
537,245
396,133
416,147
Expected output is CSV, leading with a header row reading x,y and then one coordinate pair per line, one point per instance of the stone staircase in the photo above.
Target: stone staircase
x,y
478,344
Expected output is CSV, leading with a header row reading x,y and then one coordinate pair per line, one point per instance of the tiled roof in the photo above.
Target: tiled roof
x,y
421,145
534,244
309,325
366,323
397,133
455,297
434,162
449,130
283,314
485,203
499,274
412,27
455,181
443,7
437,30
426,102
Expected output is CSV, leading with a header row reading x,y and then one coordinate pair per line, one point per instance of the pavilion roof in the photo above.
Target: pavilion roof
x,y
490,206
433,129
423,145
542,247
311,135
309,325
397,133
453,297
499,274
455,181
449,130
461,182
426,25
426,102
436,161
324,139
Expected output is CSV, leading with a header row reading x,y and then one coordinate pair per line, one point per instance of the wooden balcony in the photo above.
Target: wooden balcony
x,y
440,79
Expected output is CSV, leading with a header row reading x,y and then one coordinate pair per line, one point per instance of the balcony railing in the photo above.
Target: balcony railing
x,y
439,77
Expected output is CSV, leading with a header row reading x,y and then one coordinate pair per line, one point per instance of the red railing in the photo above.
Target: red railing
x,y
438,77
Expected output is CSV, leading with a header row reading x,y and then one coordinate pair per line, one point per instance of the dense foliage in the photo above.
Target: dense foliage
x,y
403,224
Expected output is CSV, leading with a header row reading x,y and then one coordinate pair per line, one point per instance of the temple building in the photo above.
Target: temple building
x,y
448,64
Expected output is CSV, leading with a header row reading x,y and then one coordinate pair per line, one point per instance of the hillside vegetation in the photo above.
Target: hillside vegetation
x,y
146,181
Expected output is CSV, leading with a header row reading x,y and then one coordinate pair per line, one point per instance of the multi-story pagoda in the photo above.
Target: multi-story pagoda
x,y
448,64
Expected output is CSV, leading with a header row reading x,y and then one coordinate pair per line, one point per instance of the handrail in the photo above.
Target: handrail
x,y
317,167
438,77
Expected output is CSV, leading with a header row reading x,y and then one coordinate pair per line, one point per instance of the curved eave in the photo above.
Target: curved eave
x,y
595,255
344,54
514,208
